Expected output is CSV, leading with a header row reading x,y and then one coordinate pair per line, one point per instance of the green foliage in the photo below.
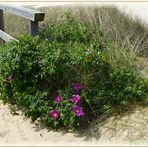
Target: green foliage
x,y
35,70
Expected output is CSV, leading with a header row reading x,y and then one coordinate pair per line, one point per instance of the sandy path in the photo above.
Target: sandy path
x,y
126,130
14,130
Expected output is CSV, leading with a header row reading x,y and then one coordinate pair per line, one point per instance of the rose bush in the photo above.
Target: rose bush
x,y
63,77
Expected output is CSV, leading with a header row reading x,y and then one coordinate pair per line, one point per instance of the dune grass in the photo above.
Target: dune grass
x,y
15,25
126,31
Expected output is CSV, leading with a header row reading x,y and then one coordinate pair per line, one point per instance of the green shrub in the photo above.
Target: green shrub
x,y
64,77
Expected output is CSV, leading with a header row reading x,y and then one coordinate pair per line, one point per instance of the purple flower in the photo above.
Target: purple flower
x,y
76,86
58,99
54,114
75,99
78,111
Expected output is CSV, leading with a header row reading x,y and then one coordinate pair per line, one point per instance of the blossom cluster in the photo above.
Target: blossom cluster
x,y
75,100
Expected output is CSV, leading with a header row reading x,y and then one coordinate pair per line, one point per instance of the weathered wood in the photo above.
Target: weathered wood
x,y
33,16
1,20
30,14
6,37
33,28
1,24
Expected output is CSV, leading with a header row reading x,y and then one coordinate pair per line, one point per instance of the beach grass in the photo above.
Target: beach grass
x,y
128,31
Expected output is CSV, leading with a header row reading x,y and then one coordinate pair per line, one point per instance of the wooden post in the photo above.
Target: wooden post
x,y
1,20
33,28
1,24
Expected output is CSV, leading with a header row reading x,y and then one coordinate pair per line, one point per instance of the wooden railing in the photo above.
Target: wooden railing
x,y
32,15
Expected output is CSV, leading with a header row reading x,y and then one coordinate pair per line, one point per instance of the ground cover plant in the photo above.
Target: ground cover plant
x,y
64,77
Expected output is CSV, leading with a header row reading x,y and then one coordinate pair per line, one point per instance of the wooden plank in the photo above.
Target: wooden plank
x,y
33,28
30,14
6,37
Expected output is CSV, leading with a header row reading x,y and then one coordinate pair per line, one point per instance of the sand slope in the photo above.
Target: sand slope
x,y
130,129
126,130
15,130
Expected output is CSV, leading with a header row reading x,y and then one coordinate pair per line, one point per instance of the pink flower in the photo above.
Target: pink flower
x,y
58,99
75,99
78,111
76,86
54,114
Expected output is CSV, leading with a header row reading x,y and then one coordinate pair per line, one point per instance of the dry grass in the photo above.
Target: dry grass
x,y
143,66
130,128
129,32
15,25
130,35
113,22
